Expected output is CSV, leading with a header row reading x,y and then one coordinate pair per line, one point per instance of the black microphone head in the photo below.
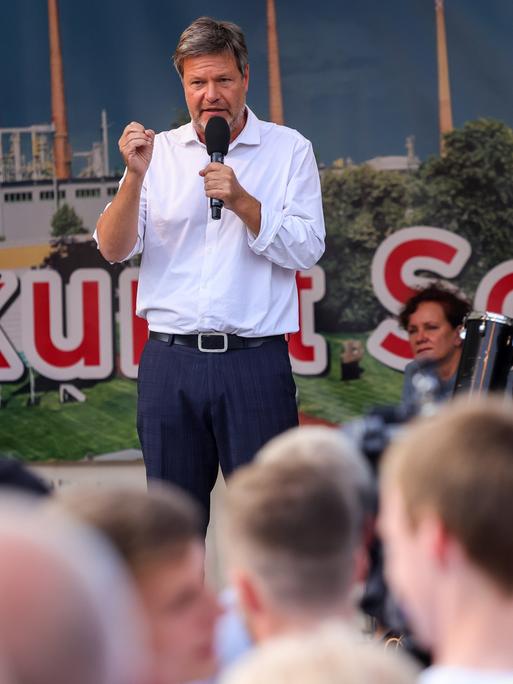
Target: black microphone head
x,y
217,135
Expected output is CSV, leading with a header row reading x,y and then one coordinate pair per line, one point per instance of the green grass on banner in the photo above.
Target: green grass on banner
x,y
106,421
335,400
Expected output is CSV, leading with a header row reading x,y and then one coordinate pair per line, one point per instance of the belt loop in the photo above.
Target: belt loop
x,y
170,340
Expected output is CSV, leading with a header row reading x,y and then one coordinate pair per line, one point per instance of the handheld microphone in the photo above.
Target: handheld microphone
x,y
217,139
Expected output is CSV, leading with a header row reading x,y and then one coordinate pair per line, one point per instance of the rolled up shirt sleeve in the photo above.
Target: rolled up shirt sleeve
x,y
141,224
294,237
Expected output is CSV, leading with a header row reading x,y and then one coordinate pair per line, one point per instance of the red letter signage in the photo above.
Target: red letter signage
x,y
83,347
394,275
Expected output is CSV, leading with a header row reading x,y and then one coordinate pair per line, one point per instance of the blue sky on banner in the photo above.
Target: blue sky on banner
x,y
357,77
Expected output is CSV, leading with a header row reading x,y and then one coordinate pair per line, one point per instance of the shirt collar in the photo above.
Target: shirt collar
x,y
250,134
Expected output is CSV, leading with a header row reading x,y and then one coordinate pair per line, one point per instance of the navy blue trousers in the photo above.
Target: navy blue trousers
x,y
197,410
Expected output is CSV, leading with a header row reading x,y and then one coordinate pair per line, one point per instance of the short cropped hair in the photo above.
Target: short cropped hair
x,y
459,466
455,307
206,36
295,522
142,525
327,448
328,654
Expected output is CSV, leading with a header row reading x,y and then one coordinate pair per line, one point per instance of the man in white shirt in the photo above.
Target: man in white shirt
x,y
233,277
446,510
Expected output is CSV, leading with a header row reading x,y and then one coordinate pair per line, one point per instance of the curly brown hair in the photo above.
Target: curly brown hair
x,y
455,307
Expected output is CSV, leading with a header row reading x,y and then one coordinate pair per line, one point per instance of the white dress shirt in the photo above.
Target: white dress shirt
x,y
198,274
439,674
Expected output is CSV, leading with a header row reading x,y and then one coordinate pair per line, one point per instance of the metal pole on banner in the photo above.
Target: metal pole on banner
x,y
32,386
444,88
273,52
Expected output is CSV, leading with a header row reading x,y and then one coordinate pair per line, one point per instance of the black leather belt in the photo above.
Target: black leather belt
x,y
212,342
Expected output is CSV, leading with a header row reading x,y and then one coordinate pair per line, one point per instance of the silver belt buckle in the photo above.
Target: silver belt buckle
x,y
213,351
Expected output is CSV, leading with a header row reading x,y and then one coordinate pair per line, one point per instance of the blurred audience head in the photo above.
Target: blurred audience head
x,y
293,530
159,533
326,655
68,611
446,510
17,476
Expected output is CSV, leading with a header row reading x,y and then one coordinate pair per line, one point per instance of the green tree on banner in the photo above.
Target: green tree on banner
x,y
470,191
361,208
66,222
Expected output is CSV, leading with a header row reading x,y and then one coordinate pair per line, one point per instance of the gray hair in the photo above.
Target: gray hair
x,y
206,36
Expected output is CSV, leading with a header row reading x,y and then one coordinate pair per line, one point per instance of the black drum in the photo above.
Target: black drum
x,y
487,354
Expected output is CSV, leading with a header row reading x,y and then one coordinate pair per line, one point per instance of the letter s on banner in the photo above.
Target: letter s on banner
x,y
495,291
394,268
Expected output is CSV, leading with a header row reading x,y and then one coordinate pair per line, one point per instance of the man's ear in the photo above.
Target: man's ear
x,y
436,539
361,554
249,597
361,564
448,550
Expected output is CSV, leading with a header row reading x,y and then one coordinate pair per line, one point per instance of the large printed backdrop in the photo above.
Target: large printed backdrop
x,y
70,342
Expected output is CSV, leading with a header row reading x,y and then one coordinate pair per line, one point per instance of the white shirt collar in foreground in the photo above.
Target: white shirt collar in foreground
x,y
438,674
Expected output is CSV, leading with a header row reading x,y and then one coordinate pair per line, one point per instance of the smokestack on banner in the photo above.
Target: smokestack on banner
x,y
275,99
61,149
444,90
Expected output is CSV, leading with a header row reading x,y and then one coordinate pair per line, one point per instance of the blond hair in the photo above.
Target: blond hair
x,y
459,466
328,655
294,518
